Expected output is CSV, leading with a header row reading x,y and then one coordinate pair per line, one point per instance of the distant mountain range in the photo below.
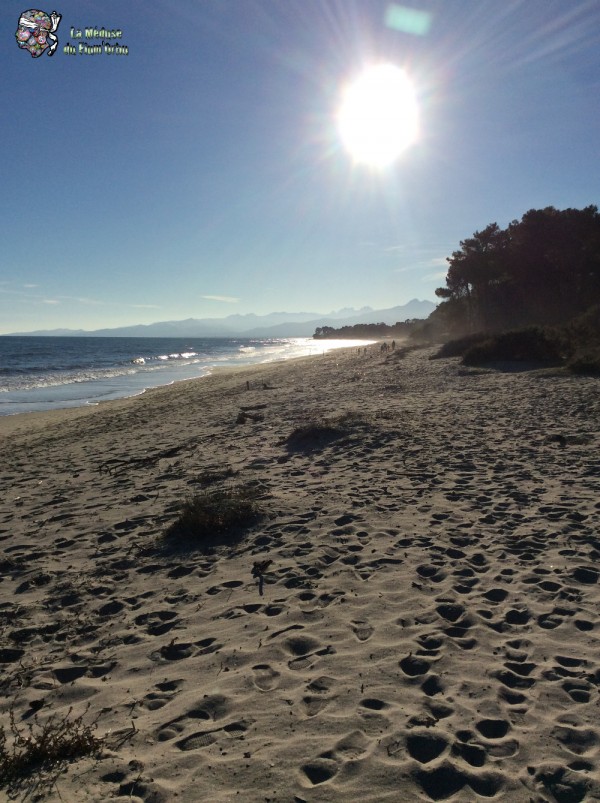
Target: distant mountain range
x,y
276,324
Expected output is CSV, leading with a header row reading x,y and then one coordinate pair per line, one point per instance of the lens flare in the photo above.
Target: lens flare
x,y
378,116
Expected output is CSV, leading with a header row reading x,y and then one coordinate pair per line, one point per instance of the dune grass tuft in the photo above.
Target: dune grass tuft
x,y
40,751
215,516
316,433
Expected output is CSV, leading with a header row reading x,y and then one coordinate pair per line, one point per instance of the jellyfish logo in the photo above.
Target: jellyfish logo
x,y
35,32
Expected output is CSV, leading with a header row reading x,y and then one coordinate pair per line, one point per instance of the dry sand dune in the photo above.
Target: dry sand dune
x,y
429,624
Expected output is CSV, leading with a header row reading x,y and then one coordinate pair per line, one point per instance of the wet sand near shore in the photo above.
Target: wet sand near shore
x,y
428,627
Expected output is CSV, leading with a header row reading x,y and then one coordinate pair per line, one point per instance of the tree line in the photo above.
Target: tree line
x,y
541,270
366,331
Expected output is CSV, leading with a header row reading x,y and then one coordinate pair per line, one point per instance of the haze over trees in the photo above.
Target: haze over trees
x,y
530,292
541,270
367,331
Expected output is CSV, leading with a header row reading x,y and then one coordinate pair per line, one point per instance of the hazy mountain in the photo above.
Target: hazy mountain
x,y
276,324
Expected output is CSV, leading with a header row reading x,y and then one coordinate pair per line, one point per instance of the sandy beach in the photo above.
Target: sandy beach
x,y
428,627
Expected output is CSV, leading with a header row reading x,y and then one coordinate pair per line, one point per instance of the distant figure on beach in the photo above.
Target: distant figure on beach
x,y
393,345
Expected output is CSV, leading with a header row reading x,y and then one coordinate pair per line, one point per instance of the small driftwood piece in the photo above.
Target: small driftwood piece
x,y
258,569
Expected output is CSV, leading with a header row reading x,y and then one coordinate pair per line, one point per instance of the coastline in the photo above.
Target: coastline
x,y
428,627
14,423
49,374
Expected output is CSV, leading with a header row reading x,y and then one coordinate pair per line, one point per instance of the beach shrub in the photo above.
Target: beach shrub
x,y
313,435
215,516
576,343
586,364
458,347
215,474
317,433
532,344
584,341
585,329
40,751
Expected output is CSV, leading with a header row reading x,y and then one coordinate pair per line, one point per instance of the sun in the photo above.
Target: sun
x,y
378,116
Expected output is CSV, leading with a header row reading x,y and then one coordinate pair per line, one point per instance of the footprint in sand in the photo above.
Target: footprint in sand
x,y
265,678
577,740
166,691
579,691
375,722
515,677
493,728
68,674
209,709
432,573
304,649
564,784
374,704
552,620
425,746
111,608
313,705
321,685
157,622
318,697
475,752
352,746
446,780
318,771
588,575
432,686
361,629
413,666
234,730
196,740
274,610
174,651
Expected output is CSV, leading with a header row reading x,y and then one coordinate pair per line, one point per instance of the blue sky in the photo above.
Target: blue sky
x,y
203,175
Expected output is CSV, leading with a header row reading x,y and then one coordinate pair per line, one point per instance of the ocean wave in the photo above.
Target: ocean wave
x,y
38,381
81,372
184,355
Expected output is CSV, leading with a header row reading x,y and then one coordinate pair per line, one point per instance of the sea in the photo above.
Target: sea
x,y
47,373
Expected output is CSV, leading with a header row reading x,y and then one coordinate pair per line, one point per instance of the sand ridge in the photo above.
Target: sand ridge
x,y
428,628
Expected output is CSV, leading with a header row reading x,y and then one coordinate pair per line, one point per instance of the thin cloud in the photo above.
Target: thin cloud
x,y
226,299
436,262
24,292
8,291
145,306
88,301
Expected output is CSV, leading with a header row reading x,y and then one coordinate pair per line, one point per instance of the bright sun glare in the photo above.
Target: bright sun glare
x,y
378,116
